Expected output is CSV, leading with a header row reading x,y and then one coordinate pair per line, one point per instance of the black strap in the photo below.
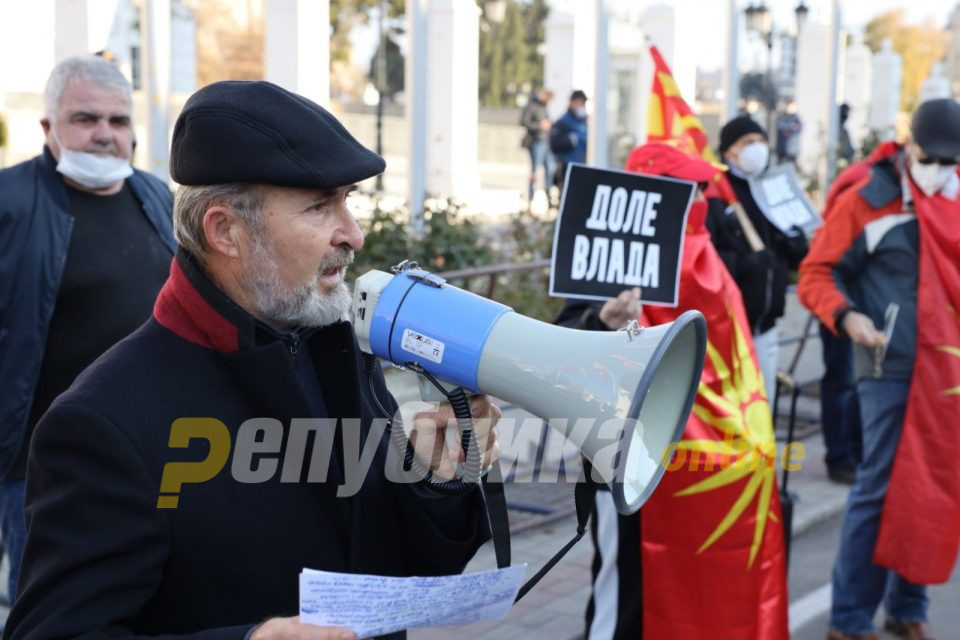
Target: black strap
x,y
584,495
786,380
496,504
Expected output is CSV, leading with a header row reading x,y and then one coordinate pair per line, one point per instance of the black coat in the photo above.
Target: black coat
x,y
102,560
761,276
35,229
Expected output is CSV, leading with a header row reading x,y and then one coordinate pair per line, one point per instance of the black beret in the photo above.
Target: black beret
x,y
936,128
736,129
258,132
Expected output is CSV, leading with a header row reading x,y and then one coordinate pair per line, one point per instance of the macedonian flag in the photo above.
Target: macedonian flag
x,y
712,545
669,119
920,529
712,540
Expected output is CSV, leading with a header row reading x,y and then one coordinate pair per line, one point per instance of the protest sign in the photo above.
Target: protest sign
x,y
617,230
779,196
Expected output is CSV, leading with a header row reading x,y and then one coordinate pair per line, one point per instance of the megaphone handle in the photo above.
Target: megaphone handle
x,y
398,437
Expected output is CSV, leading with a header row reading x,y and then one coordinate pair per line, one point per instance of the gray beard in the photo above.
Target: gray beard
x,y
298,307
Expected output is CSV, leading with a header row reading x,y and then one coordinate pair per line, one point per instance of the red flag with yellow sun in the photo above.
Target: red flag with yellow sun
x,y
669,119
920,528
712,546
712,540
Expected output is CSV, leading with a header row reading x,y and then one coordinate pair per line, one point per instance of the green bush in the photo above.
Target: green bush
x,y
450,240
453,241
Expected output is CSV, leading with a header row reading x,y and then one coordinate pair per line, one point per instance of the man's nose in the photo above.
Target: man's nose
x,y
348,231
102,133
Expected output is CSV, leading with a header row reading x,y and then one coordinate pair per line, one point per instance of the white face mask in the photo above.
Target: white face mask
x,y
753,158
931,178
91,170
580,112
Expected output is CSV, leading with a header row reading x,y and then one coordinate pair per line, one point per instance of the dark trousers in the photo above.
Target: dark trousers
x,y
840,412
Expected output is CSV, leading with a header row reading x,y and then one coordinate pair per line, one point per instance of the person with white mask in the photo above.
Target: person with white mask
x,y
86,243
884,271
760,274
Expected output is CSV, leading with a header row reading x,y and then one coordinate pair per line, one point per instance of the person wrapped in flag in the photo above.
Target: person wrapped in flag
x,y
710,540
885,271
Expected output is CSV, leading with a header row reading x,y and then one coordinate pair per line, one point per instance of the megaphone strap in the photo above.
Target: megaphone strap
x,y
584,495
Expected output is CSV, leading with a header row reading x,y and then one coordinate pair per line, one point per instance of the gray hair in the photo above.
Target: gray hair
x,y
191,203
92,69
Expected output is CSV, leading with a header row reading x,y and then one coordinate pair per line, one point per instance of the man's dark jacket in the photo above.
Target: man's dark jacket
x,y
35,228
103,561
761,276
865,257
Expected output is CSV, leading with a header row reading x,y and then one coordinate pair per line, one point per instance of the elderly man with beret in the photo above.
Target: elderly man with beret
x,y
246,346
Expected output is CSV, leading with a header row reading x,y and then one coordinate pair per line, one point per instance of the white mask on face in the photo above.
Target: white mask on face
x,y
931,178
580,112
91,170
753,158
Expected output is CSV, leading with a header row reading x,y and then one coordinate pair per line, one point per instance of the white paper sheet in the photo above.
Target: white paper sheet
x,y
376,605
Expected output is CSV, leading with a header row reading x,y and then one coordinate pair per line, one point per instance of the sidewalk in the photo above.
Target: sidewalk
x,y
554,609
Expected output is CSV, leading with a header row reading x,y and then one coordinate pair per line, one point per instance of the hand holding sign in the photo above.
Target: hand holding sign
x,y
625,307
618,230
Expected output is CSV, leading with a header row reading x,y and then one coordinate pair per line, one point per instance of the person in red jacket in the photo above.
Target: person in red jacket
x,y
839,411
867,278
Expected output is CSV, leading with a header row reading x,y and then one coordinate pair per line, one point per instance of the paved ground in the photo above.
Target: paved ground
x,y
553,610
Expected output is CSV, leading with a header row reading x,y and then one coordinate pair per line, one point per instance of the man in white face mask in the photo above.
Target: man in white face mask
x,y
884,271
760,274
86,245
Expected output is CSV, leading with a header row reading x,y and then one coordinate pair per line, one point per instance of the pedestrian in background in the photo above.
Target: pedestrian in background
x,y
888,256
536,124
85,245
789,127
568,135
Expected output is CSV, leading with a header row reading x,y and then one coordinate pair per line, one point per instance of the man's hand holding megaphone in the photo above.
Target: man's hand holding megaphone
x,y
429,440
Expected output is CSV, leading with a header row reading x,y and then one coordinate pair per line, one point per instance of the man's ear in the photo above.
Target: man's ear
x,y
45,124
223,231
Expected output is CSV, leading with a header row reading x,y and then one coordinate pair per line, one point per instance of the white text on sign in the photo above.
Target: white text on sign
x,y
632,263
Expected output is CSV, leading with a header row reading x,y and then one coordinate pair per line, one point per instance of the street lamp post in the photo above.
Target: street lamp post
x,y
381,81
760,20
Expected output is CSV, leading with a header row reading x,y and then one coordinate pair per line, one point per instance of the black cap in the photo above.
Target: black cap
x,y
936,128
258,132
578,95
736,129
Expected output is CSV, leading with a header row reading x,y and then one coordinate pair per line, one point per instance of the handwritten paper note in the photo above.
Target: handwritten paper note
x,y
376,605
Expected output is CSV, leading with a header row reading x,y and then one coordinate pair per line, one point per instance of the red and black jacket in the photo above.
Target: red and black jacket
x,y
864,258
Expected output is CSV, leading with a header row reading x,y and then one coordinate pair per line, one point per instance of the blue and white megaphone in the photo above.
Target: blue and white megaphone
x,y
621,396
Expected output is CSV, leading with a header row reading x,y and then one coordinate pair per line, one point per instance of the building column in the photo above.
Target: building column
x,y
442,106
155,34
660,24
453,59
885,91
297,47
813,59
71,37
856,91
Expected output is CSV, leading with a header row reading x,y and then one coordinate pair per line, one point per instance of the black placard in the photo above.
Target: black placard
x,y
617,230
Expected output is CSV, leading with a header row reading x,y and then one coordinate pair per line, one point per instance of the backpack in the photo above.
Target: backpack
x,y
560,138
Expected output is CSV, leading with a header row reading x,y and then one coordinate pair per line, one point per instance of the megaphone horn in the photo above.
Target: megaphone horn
x,y
623,397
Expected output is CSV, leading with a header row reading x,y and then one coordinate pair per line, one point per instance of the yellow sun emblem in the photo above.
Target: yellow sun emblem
x,y
748,449
954,351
